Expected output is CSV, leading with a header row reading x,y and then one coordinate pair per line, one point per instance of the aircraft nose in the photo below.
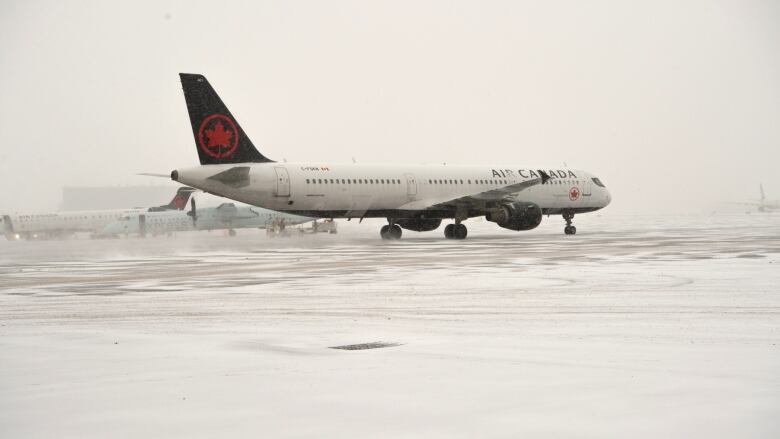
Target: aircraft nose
x,y
607,198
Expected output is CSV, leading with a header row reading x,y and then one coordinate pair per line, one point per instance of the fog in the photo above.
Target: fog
x,y
674,105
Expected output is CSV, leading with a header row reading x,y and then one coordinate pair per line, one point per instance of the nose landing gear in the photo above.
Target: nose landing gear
x,y
569,229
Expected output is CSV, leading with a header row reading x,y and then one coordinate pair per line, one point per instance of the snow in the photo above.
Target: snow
x,y
643,327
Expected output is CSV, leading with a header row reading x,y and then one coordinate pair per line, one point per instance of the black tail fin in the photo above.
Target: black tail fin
x,y
179,201
218,137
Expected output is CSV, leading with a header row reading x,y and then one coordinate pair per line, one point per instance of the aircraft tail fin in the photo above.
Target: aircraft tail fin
x,y
178,202
8,227
218,136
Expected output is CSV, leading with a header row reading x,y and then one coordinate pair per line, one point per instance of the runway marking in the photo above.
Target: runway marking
x,y
362,346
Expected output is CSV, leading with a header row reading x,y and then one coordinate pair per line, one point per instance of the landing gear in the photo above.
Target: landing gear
x,y
455,231
390,231
569,229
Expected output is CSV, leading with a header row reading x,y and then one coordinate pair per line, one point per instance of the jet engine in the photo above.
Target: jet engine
x,y
516,216
419,224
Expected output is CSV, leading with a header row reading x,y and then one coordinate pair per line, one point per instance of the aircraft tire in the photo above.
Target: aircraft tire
x,y
449,231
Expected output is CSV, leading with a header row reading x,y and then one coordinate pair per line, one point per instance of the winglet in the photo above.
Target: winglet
x,y
544,175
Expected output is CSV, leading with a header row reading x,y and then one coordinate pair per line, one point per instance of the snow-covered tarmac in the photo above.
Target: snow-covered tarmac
x,y
635,327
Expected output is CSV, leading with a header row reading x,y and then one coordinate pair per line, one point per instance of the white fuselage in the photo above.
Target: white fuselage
x,y
358,190
60,223
226,216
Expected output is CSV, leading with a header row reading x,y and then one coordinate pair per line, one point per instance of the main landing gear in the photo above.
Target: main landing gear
x,y
456,231
390,231
569,229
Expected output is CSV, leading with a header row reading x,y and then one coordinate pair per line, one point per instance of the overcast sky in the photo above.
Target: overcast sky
x,y
675,105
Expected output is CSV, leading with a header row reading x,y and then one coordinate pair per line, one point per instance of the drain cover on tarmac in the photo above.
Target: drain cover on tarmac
x,y
358,347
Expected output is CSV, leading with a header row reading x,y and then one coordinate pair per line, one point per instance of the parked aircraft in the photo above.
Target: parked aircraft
x,y
763,205
226,216
56,224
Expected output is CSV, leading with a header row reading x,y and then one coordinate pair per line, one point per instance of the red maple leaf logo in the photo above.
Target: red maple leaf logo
x,y
574,193
218,136
178,201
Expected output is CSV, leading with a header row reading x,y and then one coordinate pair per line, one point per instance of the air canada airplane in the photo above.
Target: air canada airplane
x,y
56,224
412,197
226,216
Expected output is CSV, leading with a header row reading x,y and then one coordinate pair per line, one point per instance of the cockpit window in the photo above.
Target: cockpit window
x,y
598,182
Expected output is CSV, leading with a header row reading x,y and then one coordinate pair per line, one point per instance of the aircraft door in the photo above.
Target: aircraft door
x,y
587,188
411,185
282,182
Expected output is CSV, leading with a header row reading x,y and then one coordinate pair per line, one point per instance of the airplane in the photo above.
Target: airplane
x,y
411,197
762,204
49,225
226,216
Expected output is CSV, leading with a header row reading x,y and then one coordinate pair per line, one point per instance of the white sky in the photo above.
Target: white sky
x,y
675,105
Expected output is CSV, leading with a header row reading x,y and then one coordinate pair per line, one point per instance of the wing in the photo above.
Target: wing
x,y
479,200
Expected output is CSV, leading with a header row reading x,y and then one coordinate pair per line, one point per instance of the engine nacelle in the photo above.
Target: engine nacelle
x,y
419,224
516,216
